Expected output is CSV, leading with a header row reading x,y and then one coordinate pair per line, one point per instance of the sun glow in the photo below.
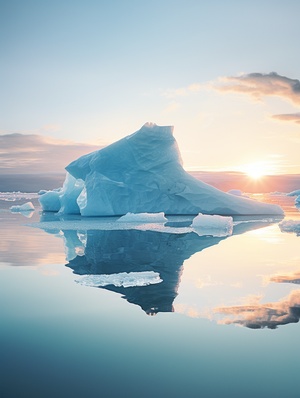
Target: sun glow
x,y
258,170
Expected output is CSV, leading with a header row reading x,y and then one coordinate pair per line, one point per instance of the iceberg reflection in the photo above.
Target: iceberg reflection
x,y
116,252
102,255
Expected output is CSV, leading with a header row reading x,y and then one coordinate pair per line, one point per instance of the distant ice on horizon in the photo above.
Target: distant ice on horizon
x,y
290,226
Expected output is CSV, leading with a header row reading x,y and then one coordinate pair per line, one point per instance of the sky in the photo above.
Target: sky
x,y
79,75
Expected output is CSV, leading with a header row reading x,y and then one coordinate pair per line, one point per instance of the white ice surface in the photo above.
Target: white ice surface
x,y
212,225
124,279
143,173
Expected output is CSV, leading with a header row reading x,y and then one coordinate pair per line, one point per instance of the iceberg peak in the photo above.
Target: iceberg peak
x,y
143,173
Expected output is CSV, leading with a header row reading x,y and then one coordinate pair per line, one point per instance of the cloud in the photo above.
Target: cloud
x,y
32,153
258,85
288,117
289,278
269,315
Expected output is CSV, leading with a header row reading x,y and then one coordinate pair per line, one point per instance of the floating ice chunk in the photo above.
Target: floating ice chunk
x,y
124,279
143,218
290,226
50,201
42,191
212,225
294,193
297,200
22,208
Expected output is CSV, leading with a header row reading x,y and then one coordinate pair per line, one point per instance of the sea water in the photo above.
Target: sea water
x,y
201,316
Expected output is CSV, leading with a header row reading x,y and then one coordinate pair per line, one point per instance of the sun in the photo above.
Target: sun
x,y
256,170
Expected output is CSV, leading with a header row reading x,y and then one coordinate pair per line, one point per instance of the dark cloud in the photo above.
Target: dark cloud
x,y
258,85
269,315
288,117
32,153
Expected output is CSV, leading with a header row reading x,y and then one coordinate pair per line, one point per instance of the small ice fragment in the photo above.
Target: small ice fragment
x,y
19,208
294,193
144,218
123,279
212,225
290,226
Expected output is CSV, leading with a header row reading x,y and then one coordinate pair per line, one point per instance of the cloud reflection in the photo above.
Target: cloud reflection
x,y
259,316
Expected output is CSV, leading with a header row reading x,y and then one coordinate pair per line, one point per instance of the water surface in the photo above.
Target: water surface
x,y
224,316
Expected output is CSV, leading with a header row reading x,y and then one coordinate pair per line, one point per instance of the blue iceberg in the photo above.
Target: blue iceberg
x,y
143,173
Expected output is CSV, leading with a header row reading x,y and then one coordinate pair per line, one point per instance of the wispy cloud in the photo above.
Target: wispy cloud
x,y
255,85
288,117
32,153
258,85
268,315
288,278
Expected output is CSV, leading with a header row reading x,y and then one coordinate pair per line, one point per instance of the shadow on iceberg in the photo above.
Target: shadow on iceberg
x,y
105,256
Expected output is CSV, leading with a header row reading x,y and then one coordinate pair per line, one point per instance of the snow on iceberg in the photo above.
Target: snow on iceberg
x,y
143,218
290,226
22,208
124,279
212,225
143,173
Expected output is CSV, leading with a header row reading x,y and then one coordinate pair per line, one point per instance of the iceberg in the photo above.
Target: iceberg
x,y
143,173
22,208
